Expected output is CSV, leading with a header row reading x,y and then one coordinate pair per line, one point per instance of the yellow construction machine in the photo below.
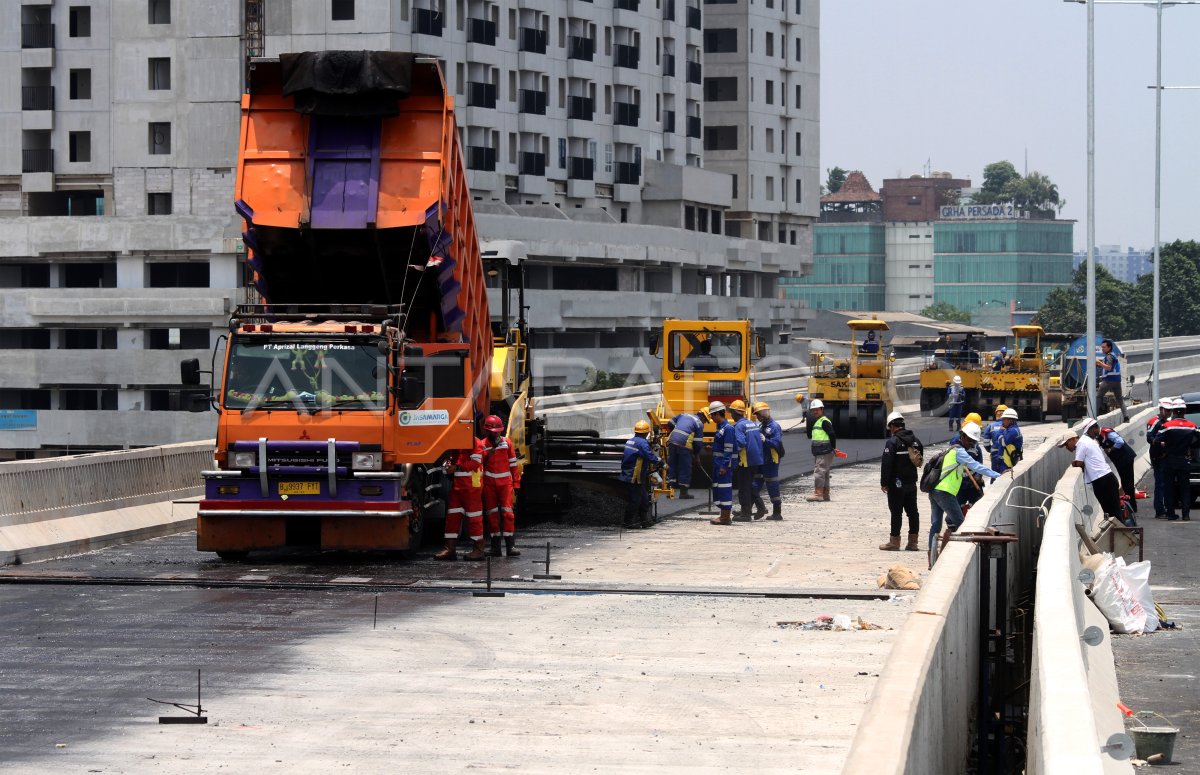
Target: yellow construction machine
x,y
857,391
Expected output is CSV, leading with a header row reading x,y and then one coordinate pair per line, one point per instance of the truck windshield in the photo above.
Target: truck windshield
x,y
705,351
305,375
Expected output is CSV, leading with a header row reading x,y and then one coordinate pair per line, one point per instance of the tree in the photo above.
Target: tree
x,y
1119,312
836,178
1179,277
1035,191
996,178
946,312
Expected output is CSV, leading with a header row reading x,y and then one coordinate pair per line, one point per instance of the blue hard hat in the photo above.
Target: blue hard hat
x,y
1003,349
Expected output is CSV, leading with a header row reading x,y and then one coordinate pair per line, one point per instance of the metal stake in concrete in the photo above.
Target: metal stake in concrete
x,y
196,716
547,574
488,592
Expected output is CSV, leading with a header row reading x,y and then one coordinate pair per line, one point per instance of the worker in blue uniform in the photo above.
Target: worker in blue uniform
x,y
772,435
724,449
685,442
1007,441
749,439
1000,360
638,461
1109,366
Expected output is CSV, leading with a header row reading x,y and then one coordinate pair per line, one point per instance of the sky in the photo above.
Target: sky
x,y
954,85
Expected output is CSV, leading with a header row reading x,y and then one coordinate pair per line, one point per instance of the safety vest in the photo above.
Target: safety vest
x,y
818,432
1115,373
951,473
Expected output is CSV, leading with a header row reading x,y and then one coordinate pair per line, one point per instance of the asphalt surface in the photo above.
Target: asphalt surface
x,y
1159,672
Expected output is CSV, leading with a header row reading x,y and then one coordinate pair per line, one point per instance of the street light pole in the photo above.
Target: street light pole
x,y
1090,347
1158,90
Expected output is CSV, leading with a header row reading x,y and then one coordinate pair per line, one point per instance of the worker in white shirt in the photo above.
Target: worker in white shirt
x,y
1093,461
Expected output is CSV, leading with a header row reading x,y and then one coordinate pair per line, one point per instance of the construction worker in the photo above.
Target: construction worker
x,y
956,398
1007,441
1153,428
1109,366
772,453
1001,361
943,501
1088,456
1122,457
637,462
972,489
749,439
724,448
898,475
686,441
870,345
824,442
466,500
991,426
501,476
1177,439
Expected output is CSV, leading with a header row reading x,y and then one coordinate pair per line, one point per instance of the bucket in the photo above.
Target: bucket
x,y
1148,740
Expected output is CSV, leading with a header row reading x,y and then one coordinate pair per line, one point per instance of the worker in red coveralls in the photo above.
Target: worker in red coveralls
x,y
501,476
466,500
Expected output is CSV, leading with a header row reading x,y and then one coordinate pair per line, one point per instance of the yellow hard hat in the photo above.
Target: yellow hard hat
x,y
973,417
738,406
759,406
799,398
1000,409
641,426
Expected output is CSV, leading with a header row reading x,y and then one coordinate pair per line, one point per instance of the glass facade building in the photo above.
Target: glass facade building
x,y
847,269
976,263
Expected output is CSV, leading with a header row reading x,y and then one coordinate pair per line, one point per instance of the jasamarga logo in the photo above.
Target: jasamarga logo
x,y
425,417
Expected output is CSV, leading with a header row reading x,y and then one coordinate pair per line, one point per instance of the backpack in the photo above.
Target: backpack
x,y
916,456
931,475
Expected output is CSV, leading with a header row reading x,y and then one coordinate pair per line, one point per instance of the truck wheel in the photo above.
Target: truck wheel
x,y
230,555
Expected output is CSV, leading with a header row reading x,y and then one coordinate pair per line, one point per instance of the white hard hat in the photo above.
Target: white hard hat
x,y
972,431
716,406
1166,403
1009,414
816,403
893,417
1083,425
1179,403
957,380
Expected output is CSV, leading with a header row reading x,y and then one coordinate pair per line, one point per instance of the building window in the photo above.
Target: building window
x,y
797,97
797,49
770,187
80,17
798,5
177,275
798,151
160,137
81,84
342,10
733,186
720,41
160,11
158,204
770,43
720,138
798,188
160,73
80,146
720,89
689,217
770,140
770,92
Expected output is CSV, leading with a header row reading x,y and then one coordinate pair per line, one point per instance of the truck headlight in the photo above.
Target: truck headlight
x,y
243,459
367,461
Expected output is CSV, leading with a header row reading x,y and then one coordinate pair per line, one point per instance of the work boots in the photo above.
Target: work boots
x,y
477,552
743,515
684,495
448,552
510,544
776,510
892,545
760,508
816,495
723,519
913,545
496,551
825,493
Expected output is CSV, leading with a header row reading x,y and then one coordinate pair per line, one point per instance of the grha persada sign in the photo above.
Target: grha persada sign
x,y
963,212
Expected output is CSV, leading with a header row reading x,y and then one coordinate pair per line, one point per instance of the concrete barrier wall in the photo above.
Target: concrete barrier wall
x,y
57,506
920,716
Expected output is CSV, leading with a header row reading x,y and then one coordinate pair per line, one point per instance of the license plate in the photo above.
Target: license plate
x,y
299,488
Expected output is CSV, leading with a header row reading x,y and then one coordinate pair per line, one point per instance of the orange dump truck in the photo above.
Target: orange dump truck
x,y
367,364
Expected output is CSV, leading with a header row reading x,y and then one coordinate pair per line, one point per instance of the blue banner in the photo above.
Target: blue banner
x,y
18,419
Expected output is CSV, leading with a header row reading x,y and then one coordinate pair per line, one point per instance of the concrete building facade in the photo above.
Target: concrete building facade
x,y
584,130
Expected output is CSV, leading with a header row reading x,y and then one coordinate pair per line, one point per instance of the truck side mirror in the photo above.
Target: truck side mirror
x,y
199,403
653,345
189,371
760,348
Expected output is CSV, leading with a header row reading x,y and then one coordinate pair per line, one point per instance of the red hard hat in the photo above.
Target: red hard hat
x,y
493,423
